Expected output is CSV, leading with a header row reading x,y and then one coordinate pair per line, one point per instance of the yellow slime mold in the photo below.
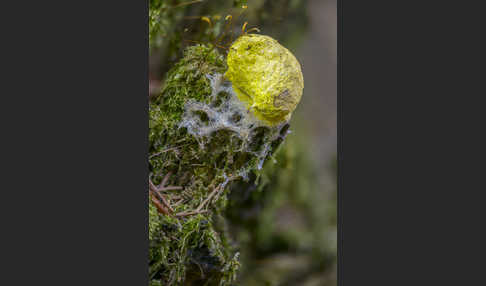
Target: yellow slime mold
x,y
266,76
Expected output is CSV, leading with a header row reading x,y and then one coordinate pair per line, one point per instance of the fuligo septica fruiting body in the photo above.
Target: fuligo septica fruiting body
x,y
266,77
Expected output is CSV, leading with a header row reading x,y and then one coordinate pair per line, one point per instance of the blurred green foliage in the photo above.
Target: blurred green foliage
x,y
285,224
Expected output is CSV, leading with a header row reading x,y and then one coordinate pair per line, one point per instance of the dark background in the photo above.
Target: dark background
x,y
410,146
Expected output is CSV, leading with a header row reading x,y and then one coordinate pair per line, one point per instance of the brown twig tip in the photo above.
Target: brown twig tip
x,y
182,214
158,205
157,191
164,180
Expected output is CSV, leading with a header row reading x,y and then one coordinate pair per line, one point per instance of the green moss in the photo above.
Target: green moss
x,y
154,222
186,80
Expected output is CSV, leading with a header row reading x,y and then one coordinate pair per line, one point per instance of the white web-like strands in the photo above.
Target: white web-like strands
x,y
228,113
222,116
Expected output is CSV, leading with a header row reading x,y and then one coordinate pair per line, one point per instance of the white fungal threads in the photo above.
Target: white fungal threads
x,y
230,114
227,112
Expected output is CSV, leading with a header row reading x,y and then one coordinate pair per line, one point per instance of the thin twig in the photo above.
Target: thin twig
x,y
171,188
158,205
164,181
182,214
155,191
214,192
208,198
163,151
161,187
177,203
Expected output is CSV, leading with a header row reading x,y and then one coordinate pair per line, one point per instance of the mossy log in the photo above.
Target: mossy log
x,y
202,138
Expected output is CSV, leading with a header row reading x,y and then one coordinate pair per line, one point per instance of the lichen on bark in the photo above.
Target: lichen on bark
x,y
201,139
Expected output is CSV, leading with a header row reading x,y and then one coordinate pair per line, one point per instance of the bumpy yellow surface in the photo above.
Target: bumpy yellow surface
x,y
266,76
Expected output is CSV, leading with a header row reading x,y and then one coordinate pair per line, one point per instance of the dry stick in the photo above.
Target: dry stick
x,y
177,203
171,188
182,214
162,187
164,181
154,190
158,205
